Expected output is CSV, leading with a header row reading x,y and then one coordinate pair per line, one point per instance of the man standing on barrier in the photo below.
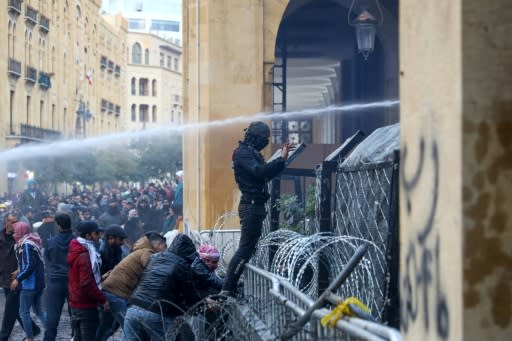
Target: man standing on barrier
x,y
252,174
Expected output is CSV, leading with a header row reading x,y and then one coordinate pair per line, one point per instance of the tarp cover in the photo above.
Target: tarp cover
x,y
378,147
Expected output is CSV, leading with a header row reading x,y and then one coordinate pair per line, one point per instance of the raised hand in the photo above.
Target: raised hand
x,y
286,148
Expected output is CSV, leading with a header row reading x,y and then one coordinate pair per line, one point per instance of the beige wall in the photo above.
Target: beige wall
x,y
77,39
209,89
168,98
456,224
487,164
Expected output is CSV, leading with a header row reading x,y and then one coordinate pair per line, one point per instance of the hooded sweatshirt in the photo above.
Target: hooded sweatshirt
x,y
84,292
124,278
56,256
167,280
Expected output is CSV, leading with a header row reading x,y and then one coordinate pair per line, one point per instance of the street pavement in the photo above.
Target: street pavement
x,y
63,333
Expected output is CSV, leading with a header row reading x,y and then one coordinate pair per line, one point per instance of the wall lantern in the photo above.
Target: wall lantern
x,y
365,16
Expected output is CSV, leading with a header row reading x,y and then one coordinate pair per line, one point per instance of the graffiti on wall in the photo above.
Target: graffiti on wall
x,y
420,278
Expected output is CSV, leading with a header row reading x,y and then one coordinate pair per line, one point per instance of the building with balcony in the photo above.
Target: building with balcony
x,y
53,53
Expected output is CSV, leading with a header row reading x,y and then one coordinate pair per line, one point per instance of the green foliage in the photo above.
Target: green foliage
x,y
293,213
137,161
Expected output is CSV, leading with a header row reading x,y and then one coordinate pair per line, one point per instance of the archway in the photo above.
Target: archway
x,y
317,64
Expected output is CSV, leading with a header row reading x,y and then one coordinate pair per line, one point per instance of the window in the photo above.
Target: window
x,y
11,112
162,59
136,24
143,87
153,87
134,113
28,110
53,116
176,64
143,113
165,25
300,131
146,56
41,112
136,53
134,86
169,59
153,114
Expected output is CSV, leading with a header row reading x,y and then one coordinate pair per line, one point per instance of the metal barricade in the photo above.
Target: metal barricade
x,y
275,304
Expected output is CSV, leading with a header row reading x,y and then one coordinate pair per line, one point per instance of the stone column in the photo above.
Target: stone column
x,y
456,173
223,79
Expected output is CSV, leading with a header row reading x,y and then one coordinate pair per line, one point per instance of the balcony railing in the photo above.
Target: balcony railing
x,y
14,67
44,80
103,62
31,74
14,6
44,24
35,133
31,15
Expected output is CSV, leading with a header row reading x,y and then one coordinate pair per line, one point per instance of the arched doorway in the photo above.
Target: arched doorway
x,y
317,64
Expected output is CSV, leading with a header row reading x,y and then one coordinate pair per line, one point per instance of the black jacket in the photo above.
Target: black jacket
x,y
167,280
206,282
110,256
8,262
46,231
252,173
56,254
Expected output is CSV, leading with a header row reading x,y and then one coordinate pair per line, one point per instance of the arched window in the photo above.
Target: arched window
x,y
134,86
13,40
146,56
9,40
153,87
153,114
136,53
53,59
134,113
143,112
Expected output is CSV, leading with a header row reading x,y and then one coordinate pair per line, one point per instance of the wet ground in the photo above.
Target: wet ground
x,y
64,331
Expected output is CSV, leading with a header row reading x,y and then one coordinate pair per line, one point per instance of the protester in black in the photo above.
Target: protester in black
x,y
252,174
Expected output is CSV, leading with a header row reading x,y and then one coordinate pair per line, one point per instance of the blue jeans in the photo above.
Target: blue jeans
x,y
56,294
28,299
117,311
142,324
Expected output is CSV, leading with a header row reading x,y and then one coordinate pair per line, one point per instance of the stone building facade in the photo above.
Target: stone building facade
x,y
154,82
64,76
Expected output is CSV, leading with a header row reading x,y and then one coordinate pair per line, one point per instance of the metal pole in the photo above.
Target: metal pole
x,y
340,279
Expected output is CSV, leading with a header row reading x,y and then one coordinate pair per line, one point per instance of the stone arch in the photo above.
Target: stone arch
x,y
386,86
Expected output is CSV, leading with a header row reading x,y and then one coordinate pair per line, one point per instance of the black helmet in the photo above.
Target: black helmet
x,y
257,135
258,128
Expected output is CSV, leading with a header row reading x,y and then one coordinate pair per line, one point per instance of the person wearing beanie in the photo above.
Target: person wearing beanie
x,y
252,174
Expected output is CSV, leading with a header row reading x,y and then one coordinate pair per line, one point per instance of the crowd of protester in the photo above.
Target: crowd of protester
x,y
115,256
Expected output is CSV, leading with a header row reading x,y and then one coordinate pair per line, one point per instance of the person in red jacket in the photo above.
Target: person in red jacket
x,y
84,282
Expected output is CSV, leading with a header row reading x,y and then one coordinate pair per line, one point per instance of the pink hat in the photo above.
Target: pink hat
x,y
207,251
